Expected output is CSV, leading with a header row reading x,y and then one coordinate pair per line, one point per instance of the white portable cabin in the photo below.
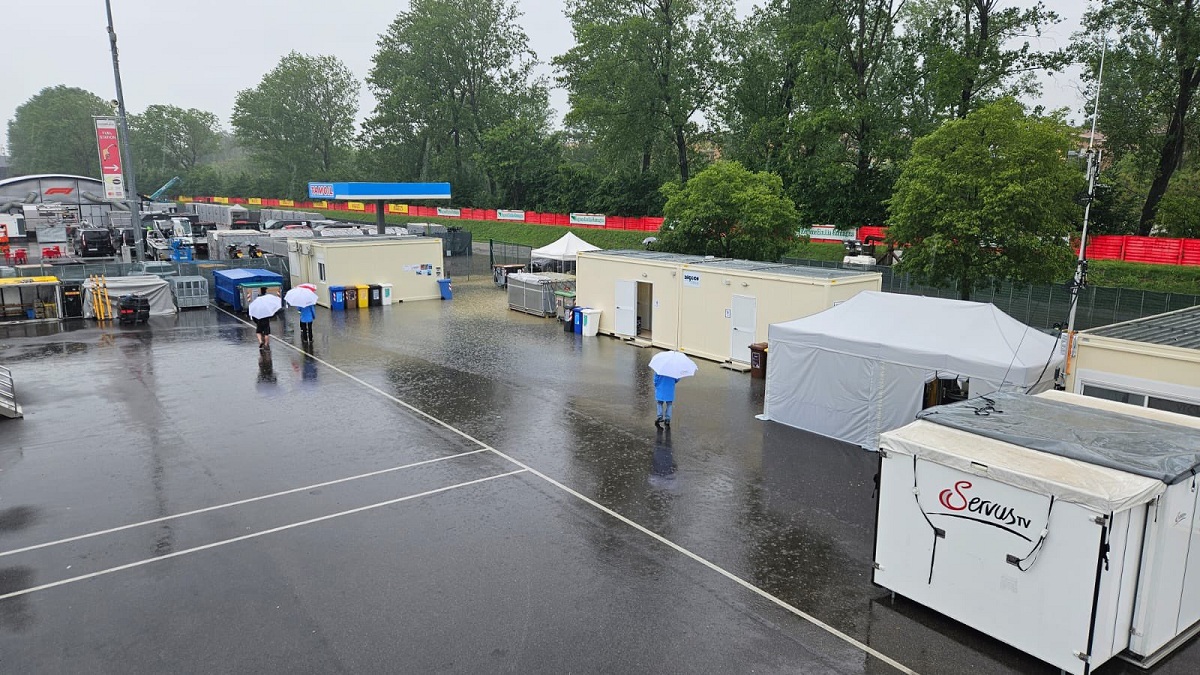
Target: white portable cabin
x,y
862,367
711,308
1058,524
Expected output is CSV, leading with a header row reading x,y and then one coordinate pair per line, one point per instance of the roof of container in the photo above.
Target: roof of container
x,y
367,240
730,264
1174,329
248,273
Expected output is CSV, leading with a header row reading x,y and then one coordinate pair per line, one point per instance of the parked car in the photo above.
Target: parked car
x,y
92,242
285,224
156,268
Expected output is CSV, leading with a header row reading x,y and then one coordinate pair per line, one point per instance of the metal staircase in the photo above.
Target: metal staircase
x,y
8,395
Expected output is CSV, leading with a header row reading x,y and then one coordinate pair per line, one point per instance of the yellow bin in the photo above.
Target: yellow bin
x,y
363,294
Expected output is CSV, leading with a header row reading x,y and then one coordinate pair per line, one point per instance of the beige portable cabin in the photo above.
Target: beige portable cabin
x,y
1152,362
711,308
411,265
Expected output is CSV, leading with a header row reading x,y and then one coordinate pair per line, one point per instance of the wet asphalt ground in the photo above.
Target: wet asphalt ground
x,y
438,487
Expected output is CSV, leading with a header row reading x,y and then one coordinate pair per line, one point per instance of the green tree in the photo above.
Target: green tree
x,y
988,196
1179,212
171,141
298,123
53,132
447,72
521,157
641,73
1152,73
728,211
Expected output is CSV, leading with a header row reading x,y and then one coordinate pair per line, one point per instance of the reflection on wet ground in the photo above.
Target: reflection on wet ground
x,y
139,423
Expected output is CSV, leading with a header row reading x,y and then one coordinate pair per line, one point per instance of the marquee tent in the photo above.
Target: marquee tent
x,y
564,249
860,368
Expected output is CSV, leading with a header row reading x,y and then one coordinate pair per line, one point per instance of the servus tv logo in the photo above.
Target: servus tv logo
x,y
962,504
320,190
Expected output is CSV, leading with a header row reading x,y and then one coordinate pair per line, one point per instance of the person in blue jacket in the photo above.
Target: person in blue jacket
x,y
307,316
664,398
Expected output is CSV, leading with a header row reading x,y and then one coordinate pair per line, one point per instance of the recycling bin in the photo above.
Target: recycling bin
x,y
386,293
351,297
578,320
364,297
758,360
375,292
444,287
337,298
568,320
591,322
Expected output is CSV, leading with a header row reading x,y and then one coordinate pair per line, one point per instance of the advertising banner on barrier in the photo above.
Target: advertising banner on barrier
x,y
506,214
287,202
220,200
828,232
254,201
397,208
449,213
594,219
320,205
356,206
109,146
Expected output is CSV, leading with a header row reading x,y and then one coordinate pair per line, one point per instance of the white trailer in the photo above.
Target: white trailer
x,y
1058,524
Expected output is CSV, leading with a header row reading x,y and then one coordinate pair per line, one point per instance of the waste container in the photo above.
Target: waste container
x,y
758,360
351,297
72,300
375,292
577,320
364,295
568,321
337,298
591,322
444,286
386,294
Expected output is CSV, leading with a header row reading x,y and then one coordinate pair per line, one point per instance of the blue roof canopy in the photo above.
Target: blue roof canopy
x,y
386,191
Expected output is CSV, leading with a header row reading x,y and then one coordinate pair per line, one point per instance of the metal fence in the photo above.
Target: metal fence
x,y
1038,305
507,253
201,268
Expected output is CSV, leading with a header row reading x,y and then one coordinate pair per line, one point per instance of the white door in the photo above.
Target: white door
x,y
626,309
745,318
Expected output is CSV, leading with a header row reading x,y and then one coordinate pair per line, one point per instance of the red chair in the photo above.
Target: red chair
x,y
52,252
22,256
8,256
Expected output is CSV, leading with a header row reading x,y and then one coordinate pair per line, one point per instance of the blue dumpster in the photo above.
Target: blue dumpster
x,y
337,298
578,319
444,287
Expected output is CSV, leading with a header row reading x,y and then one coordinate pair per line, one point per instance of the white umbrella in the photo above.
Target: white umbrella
x,y
673,364
300,297
265,306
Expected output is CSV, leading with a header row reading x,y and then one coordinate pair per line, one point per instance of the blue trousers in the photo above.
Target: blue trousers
x,y
664,409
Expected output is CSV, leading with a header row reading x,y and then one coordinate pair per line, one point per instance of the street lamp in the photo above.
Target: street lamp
x,y
130,178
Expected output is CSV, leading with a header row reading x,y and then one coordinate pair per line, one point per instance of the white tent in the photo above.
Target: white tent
x,y
564,249
860,368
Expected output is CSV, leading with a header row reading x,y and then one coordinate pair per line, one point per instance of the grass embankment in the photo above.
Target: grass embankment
x,y
1106,273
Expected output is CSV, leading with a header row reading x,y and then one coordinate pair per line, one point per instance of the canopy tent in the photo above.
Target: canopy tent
x,y
860,368
564,249
154,288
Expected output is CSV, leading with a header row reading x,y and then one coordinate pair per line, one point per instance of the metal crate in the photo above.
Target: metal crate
x,y
190,291
534,293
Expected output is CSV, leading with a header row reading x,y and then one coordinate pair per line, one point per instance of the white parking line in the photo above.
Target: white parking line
x,y
587,500
240,502
226,542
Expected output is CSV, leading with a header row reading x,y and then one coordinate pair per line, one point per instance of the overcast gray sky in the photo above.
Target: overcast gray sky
x,y
198,54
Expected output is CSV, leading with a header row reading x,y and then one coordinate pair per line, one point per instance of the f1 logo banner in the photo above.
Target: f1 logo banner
x,y
108,143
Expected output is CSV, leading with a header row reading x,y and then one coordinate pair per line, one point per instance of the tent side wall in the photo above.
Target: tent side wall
x,y
598,275
1136,367
706,305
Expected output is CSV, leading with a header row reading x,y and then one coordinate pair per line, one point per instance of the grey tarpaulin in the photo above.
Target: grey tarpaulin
x,y
1145,447
157,290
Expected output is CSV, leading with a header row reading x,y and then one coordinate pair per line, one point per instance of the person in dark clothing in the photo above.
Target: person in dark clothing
x,y
262,327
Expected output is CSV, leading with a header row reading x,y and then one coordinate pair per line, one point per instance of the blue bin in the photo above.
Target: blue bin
x,y
578,319
444,287
337,298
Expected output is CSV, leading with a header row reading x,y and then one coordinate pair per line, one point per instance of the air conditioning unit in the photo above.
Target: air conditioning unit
x,y
293,245
306,249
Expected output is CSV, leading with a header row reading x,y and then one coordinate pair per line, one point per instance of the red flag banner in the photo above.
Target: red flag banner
x,y
109,145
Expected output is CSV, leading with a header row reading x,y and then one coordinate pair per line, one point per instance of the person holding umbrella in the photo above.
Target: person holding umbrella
x,y
304,298
261,310
669,368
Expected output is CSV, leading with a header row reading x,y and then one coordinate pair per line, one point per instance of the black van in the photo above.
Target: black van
x,y
94,242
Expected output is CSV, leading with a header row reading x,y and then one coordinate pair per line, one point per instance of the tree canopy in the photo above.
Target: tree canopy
x,y
728,211
54,132
171,141
988,196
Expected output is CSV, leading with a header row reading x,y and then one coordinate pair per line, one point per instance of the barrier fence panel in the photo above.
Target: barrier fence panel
x,y
507,253
1042,306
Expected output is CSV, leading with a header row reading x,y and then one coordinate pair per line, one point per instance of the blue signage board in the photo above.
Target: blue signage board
x,y
370,191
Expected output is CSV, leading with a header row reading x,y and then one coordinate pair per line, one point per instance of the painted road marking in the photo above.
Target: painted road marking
x,y
240,502
588,500
226,542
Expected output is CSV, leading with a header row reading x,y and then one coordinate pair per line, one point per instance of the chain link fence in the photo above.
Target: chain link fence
x,y
1038,305
507,253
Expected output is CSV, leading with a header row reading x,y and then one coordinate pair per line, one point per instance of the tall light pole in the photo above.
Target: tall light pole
x,y
130,178
1093,169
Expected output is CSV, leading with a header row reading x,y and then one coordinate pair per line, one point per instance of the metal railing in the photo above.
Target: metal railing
x,y
195,268
8,395
1039,305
